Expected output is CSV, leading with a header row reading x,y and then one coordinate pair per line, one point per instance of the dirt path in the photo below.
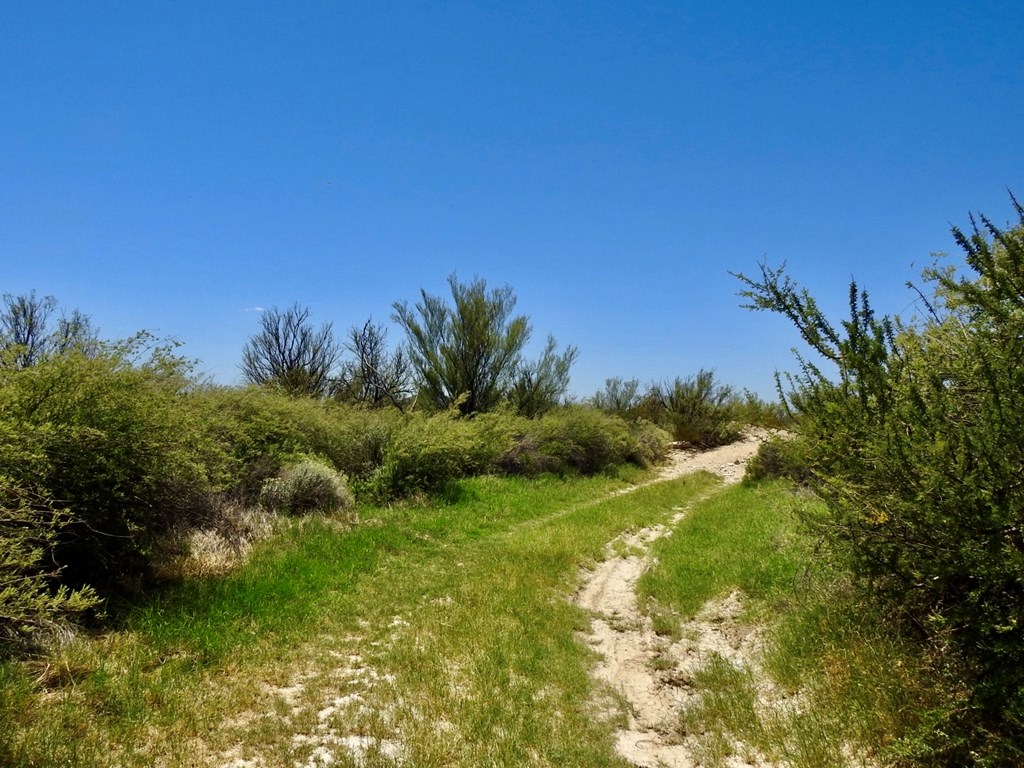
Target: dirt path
x,y
325,703
629,648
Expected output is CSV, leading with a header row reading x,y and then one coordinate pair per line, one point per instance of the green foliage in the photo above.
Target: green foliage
x,y
309,485
27,336
917,449
582,440
539,385
697,410
429,452
465,354
262,429
651,442
619,396
29,527
752,409
779,458
468,355
114,447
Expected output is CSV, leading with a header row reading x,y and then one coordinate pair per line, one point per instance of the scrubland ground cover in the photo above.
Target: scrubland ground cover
x,y
828,683
441,633
441,628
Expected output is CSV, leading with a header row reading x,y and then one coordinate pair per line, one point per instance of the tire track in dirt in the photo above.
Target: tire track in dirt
x,y
628,645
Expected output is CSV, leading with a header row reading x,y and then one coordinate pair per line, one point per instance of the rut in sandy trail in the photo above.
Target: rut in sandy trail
x,y
625,640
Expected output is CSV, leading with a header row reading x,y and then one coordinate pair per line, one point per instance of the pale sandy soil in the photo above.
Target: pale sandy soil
x,y
656,693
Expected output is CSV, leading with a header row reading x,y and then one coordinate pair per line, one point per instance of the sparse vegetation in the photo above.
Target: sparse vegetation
x,y
291,354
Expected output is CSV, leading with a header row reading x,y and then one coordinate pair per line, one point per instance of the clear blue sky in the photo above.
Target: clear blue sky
x,y
174,165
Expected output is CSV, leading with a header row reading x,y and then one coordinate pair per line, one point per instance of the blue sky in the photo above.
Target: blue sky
x,y
171,166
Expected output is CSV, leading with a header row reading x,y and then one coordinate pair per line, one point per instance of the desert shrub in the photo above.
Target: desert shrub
x,y
917,447
619,396
30,597
117,450
780,458
696,410
309,485
426,454
751,409
262,429
651,442
581,439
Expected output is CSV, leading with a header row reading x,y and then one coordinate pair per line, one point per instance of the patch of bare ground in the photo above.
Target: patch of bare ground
x,y
323,706
651,673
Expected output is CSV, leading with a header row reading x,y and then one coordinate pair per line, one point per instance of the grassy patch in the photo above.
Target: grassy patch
x,y
437,631
842,688
739,538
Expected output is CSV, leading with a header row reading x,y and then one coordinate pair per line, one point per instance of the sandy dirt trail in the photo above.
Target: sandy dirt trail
x,y
625,640
619,633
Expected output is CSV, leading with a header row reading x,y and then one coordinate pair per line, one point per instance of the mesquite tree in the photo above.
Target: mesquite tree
x,y
375,375
27,335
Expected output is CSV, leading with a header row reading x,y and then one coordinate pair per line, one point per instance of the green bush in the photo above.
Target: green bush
x,y
918,449
262,429
651,443
429,452
29,596
696,410
113,444
581,439
310,485
780,458
753,410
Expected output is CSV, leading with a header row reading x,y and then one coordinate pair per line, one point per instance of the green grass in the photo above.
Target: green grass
x,y
448,620
736,539
846,687
443,629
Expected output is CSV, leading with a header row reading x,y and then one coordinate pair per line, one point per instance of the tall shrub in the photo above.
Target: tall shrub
x,y
697,409
917,445
116,450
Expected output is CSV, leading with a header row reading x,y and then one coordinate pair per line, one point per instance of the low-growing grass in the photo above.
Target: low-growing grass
x,y
845,690
437,630
438,633
737,539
